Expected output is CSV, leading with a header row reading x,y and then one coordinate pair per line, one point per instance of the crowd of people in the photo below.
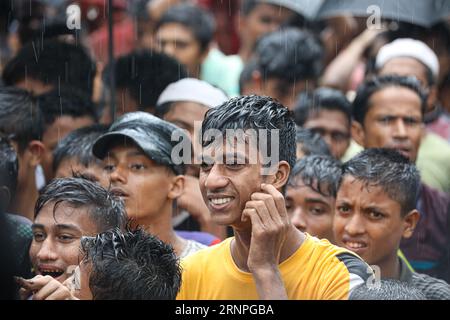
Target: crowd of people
x,y
231,150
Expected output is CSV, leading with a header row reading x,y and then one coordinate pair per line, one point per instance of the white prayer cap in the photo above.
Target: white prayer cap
x,y
408,48
192,90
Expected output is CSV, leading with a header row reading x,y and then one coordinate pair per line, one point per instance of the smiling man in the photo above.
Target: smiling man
x,y
268,257
375,209
388,113
67,210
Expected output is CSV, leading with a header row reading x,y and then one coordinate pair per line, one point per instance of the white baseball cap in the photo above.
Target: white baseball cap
x,y
192,90
411,48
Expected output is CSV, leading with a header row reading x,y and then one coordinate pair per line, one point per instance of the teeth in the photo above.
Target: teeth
x,y
219,201
355,245
50,271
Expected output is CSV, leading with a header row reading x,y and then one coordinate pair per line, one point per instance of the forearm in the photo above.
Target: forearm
x,y
269,284
339,71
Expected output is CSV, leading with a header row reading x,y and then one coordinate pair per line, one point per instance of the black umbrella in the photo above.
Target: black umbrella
x,y
419,12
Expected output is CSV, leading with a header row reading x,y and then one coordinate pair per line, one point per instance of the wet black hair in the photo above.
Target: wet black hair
x,y
323,98
78,145
66,101
53,63
197,19
362,103
104,209
391,171
9,169
145,74
131,265
320,173
388,289
255,112
20,117
311,143
290,55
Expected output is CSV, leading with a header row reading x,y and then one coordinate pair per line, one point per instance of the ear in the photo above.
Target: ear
x,y
432,97
36,151
257,80
410,222
281,176
176,188
358,133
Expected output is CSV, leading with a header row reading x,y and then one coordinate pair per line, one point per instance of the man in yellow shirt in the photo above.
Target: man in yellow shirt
x,y
242,186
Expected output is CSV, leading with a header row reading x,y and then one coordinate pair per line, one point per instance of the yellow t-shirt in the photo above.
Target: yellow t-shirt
x,y
317,270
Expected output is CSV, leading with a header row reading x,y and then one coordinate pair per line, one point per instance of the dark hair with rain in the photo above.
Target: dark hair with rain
x,y
290,55
321,173
145,75
66,101
20,117
323,98
131,265
361,104
104,209
54,63
78,145
255,112
199,21
388,169
311,143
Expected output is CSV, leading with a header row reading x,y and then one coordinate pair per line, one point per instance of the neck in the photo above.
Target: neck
x,y
161,227
245,53
390,267
241,244
25,199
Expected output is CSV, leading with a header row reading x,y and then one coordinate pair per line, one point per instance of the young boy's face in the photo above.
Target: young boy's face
x,y
310,211
55,247
143,184
368,222
227,184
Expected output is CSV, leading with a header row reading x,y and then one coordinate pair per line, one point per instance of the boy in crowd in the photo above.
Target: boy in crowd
x,y
67,210
388,113
409,57
311,194
137,155
327,112
73,154
21,121
376,208
116,265
184,103
63,110
268,257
